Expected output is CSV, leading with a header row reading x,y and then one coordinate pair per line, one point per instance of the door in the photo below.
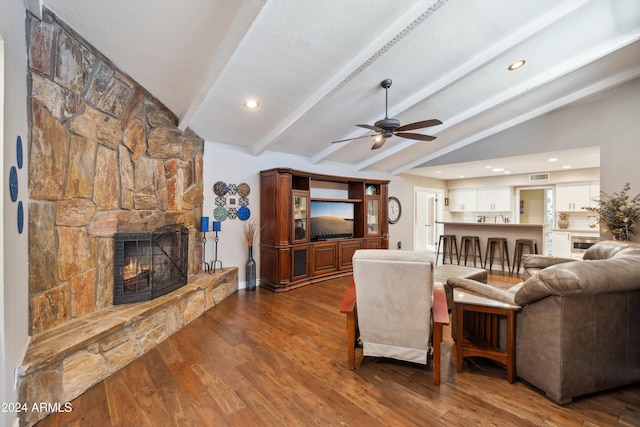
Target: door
x,y
424,227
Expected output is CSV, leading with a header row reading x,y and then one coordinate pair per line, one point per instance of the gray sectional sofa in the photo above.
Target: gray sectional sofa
x,y
578,331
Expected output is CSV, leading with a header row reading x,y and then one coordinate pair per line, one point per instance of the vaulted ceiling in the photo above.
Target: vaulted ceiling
x,y
315,67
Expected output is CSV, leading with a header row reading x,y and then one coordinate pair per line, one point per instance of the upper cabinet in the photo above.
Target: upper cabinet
x,y
494,199
575,196
463,199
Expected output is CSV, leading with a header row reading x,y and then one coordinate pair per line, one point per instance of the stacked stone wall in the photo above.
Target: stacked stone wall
x,y
105,156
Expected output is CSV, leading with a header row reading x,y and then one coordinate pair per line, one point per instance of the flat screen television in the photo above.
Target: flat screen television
x,y
331,220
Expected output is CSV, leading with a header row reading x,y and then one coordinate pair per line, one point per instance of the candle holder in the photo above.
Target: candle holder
x,y
204,227
216,227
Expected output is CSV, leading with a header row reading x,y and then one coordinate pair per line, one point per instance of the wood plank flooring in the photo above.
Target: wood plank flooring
x,y
266,359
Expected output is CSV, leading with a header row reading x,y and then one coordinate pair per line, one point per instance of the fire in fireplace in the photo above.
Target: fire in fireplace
x,y
149,265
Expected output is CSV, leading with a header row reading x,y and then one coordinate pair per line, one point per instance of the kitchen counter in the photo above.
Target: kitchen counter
x,y
489,224
484,230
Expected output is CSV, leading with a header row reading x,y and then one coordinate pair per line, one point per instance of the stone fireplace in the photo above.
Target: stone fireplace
x,y
149,265
106,158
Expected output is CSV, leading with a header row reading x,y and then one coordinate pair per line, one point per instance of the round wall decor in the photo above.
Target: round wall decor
x,y
20,217
220,213
13,183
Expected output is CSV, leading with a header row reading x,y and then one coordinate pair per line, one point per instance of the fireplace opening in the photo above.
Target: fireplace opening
x,y
149,265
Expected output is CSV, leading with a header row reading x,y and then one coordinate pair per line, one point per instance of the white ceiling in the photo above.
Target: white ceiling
x,y
315,67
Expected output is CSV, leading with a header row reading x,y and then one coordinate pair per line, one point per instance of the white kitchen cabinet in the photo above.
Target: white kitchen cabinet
x,y
463,200
494,199
594,192
561,244
573,197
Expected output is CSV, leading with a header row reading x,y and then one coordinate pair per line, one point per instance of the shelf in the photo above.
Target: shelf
x,y
320,199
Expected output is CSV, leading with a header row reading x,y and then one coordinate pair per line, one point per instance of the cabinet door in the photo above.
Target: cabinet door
x,y
300,232
463,199
324,258
299,262
373,216
594,193
561,244
572,197
494,199
346,249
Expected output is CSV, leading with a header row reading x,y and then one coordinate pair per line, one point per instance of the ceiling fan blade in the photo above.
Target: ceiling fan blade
x,y
379,143
351,139
377,129
417,136
420,125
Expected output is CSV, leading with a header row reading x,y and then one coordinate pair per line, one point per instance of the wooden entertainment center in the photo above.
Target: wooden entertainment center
x,y
293,252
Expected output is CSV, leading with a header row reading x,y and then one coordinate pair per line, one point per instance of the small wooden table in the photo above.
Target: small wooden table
x,y
479,336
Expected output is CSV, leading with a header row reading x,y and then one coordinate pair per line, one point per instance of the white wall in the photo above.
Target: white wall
x,y
402,187
13,253
233,166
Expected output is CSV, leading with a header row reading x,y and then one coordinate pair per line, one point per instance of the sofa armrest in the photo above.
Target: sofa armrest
x,y
543,261
482,289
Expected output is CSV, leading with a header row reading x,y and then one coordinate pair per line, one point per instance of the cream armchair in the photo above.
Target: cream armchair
x,y
389,307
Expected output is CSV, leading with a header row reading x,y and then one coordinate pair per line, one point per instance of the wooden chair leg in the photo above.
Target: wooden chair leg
x,y
351,340
437,340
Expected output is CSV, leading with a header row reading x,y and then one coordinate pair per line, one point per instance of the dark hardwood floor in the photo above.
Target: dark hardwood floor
x,y
266,359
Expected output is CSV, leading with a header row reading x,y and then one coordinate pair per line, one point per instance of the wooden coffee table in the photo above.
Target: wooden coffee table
x,y
478,333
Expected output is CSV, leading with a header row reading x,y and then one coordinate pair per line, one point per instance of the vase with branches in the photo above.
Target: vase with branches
x,y
250,229
618,213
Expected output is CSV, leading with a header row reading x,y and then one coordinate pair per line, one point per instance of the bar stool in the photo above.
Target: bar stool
x,y
531,246
470,246
448,243
499,243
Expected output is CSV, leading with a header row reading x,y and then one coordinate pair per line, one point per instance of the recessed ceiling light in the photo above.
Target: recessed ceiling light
x,y
507,171
488,167
461,176
251,104
516,65
438,171
498,169
553,159
566,167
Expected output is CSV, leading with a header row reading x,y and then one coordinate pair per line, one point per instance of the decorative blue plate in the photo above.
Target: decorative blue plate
x,y
20,217
19,151
13,183
244,213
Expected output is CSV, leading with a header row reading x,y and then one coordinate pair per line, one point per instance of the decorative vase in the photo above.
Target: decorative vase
x,y
563,223
250,271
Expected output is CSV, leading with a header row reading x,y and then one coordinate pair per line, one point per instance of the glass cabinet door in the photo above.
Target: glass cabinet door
x,y
300,216
373,216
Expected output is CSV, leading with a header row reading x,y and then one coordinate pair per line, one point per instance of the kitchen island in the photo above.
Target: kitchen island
x,y
484,230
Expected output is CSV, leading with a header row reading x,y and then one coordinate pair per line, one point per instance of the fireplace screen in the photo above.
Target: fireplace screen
x,y
149,265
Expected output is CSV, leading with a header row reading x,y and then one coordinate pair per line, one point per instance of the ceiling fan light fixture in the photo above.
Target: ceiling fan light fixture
x,y
516,65
251,104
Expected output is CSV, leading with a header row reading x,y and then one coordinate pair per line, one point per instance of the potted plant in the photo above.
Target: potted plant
x,y
617,213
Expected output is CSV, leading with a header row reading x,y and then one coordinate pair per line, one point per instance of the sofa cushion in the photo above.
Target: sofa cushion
x,y
583,278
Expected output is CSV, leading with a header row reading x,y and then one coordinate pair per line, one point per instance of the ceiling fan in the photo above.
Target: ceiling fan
x,y
387,127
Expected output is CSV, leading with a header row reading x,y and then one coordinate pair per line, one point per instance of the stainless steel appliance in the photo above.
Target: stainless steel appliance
x,y
579,244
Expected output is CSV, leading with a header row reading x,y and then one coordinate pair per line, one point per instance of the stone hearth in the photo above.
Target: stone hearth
x,y
64,362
